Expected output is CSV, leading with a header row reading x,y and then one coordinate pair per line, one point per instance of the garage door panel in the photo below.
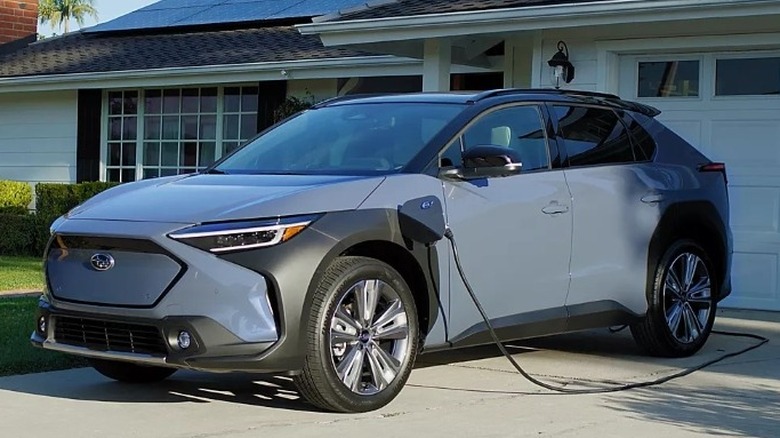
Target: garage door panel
x,y
755,280
755,209
747,143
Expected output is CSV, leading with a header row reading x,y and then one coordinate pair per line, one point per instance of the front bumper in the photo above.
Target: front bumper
x,y
213,347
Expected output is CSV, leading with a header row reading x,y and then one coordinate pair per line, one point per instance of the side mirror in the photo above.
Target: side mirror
x,y
486,162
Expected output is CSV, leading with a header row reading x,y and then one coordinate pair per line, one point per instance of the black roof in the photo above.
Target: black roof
x,y
405,8
84,53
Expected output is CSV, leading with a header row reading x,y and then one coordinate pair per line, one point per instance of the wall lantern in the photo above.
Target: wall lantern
x,y
562,69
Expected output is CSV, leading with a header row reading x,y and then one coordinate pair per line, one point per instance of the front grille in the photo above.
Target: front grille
x,y
109,336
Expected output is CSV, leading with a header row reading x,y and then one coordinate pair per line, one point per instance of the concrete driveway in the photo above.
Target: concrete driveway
x,y
466,393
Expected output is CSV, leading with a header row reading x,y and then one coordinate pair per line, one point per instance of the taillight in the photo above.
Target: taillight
x,y
715,167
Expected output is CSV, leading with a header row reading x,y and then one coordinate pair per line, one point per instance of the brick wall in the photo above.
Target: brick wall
x,y
18,19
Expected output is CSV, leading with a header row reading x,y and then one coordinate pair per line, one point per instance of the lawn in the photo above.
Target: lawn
x,y
17,355
20,273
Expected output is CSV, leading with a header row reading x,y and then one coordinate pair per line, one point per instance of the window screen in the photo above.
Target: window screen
x,y
593,136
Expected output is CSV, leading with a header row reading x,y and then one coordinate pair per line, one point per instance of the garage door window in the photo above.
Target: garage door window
x,y
668,79
748,77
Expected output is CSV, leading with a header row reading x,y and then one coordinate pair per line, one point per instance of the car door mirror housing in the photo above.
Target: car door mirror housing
x,y
486,162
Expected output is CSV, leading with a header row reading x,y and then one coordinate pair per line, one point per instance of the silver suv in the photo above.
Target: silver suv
x,y
572,210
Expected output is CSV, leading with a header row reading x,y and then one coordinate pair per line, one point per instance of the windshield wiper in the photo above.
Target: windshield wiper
x,y
214,171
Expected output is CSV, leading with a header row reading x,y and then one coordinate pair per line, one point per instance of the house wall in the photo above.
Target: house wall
x,y
38,136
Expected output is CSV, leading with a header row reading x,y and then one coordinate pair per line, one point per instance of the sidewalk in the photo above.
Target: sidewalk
x,y
19,293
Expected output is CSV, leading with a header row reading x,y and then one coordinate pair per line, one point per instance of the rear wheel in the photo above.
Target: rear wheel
x,y
129,372
362,337
682,303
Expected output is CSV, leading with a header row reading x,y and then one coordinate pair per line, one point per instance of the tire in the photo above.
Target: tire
x,y
130,373
373,354
681,307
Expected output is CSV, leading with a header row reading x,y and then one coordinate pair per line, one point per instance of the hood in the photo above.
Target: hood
x,y
207,198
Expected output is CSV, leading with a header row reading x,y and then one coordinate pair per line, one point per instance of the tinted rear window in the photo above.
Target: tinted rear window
x,y
593,136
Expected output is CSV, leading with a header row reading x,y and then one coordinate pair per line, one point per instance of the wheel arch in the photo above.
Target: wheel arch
x,y
378,236
700,222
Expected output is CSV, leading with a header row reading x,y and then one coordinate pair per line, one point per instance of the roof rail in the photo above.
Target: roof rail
x,y
603,98
348,97
511,91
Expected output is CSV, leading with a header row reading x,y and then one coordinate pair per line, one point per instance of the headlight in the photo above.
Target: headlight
x,y
236,236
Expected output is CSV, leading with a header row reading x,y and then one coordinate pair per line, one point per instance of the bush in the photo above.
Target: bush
x,y
292,105
22,233
18,235
14,195
54,200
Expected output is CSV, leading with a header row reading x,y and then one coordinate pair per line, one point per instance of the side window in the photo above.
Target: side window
x,y
519,128
644,144
593,136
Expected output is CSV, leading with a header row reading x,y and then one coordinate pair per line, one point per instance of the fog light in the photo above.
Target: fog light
x,y
42,325
184,340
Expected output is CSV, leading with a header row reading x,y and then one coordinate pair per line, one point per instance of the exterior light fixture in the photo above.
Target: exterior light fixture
x,y
562,69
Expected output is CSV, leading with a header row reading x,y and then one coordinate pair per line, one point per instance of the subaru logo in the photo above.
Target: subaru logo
x,y
427,204
101,262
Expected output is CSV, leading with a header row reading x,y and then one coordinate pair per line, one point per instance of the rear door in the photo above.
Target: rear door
x,y
513,233
615,197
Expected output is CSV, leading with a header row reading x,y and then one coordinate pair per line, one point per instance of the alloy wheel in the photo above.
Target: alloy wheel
x,y
369,335
687,297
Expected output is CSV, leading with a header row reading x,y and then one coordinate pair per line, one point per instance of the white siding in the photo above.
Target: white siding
x,y
38,136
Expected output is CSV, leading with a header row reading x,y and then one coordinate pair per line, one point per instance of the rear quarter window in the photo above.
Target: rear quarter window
x,y
593,136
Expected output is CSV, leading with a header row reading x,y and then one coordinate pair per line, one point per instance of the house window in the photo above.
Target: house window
x,y
668,79
122,136
747,77
163,132
240,117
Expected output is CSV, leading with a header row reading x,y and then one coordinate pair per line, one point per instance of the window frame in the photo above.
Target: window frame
x,y
754,54
140,127
553,154
703,79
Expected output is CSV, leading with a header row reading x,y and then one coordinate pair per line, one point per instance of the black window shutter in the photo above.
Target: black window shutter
x,y
88,135
272,94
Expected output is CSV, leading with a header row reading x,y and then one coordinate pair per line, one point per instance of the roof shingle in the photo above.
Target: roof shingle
x,y
82,53
407,8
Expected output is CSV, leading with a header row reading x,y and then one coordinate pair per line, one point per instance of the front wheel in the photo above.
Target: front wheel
x,y
362,337
129,372
682,303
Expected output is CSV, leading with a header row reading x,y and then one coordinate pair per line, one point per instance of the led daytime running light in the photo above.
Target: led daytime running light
x,y
219,238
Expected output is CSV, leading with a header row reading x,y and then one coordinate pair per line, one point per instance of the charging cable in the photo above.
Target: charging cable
x,y
559,389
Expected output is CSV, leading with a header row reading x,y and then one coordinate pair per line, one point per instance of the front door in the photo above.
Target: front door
x,y
513,233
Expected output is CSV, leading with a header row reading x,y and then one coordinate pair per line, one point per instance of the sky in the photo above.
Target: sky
x,y
107,11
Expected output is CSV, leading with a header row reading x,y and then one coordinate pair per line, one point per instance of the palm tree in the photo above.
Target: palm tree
x,y
60,12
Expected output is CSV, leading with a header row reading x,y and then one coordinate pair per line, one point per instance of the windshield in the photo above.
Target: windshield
x,y
356,139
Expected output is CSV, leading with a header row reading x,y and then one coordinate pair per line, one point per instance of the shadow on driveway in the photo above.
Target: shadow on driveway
x,y
715,412
184,386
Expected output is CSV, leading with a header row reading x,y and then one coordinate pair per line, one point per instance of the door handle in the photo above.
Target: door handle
x,y
653,198
554,208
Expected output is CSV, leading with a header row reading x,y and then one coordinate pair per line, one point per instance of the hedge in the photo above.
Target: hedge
x,y
22,233
14,195
18,235
54,200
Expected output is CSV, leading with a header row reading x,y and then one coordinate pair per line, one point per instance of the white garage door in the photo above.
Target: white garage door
x,y
728,105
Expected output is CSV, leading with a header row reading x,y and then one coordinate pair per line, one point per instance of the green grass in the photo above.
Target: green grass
x,y
17,355
20,273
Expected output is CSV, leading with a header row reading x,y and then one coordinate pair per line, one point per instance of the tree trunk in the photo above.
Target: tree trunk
x,y
66,25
